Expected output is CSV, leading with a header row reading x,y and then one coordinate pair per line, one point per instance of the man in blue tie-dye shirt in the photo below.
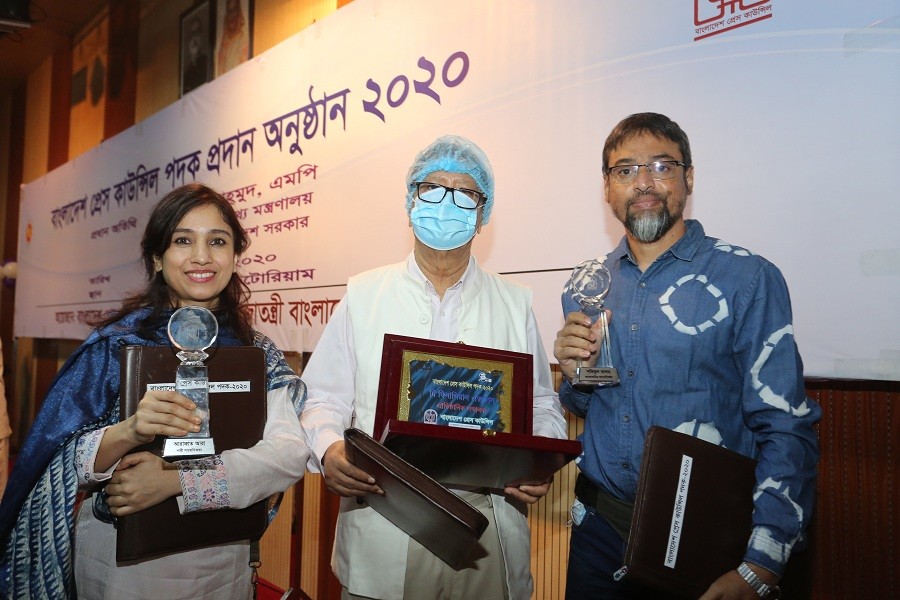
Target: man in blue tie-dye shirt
x,y
702,337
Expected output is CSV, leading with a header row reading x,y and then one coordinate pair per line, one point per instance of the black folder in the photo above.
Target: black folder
x,y
692,513
237,420
441,521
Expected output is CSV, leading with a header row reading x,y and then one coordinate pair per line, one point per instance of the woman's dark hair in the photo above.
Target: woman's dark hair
x,y
655,124
156,295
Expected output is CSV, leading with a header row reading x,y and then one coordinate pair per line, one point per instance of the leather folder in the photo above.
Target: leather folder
x,y
441,521
692,513
456,456
237,420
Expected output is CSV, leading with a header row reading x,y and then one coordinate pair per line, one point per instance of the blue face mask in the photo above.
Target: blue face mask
x,y
442,226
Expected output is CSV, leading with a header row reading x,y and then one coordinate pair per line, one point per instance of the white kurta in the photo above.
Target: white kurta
x,y
342,379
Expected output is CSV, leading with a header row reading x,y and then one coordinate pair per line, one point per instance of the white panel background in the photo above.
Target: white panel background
x,y
794,124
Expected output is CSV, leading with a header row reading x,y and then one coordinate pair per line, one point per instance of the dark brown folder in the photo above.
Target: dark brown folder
x,y
237,420
428,512
692,513
456,456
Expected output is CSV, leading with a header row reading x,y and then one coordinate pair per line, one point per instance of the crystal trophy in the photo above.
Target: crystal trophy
x,y
192,330
589,285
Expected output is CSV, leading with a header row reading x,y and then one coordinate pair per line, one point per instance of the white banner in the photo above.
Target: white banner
x,y
791,108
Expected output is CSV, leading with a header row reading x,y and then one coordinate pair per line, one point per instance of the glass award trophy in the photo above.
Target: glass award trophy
x,y
192,330
589,285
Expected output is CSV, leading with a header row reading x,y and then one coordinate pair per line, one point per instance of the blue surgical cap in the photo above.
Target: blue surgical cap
x,y
453,154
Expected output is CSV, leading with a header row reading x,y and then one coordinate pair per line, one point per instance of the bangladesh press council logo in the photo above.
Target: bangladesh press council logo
x,y
712,17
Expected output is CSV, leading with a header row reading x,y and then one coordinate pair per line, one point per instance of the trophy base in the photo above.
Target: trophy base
x,y
181,448
595,376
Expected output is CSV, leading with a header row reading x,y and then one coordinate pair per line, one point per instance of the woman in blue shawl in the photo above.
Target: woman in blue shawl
x,y
190,249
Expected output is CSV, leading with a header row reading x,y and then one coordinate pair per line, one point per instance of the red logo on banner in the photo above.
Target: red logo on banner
x,y
28,231
712,17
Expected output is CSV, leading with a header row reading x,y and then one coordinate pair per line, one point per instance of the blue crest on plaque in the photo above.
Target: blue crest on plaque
x,y
443,394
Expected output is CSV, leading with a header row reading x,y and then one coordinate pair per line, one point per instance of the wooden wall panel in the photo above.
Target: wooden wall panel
x,y
60,108
856,537
121,75
315,578
275,545
549,523
6,154
158,46
12,136
313,489
90,63
37,122
277,20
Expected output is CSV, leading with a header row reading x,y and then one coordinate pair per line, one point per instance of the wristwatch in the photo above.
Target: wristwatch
x,y
763,590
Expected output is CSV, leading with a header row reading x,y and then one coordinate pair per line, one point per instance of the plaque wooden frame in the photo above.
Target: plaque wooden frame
x,y
398,351
459,456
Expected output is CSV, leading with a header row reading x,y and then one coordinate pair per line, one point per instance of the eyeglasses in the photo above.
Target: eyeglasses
x,y
434,193
660,169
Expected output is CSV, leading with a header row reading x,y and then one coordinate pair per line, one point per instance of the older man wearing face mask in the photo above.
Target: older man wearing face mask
x,y
438,292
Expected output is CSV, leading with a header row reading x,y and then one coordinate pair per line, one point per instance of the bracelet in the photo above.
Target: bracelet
x,y
763,590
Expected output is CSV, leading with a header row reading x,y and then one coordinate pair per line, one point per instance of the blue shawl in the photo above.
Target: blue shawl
x,y
37,512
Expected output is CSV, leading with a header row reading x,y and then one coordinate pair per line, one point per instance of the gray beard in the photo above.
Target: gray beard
x,y
649,227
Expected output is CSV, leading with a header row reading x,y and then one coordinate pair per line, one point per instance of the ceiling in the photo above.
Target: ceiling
x,y
54,24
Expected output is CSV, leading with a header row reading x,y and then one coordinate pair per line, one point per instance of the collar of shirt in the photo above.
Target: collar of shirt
x,y
444,312
684,249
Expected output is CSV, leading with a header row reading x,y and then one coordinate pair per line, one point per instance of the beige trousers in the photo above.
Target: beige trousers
x,y
430,578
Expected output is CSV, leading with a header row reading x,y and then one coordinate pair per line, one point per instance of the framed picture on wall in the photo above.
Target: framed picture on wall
x,y
196,56
234,34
